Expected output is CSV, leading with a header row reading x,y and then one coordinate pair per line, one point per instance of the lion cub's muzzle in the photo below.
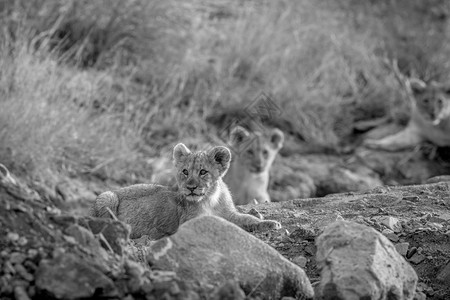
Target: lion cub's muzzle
x,y
193,193
257,168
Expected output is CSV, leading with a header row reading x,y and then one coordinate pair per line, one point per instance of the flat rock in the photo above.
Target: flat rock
x,y
358,262
212,251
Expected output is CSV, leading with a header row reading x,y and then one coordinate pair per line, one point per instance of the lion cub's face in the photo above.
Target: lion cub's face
x,y
199,172
258,149
432,100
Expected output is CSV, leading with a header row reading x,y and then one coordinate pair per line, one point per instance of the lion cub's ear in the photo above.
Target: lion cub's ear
x,y
417,85
220,157
238,134
277,138
180,152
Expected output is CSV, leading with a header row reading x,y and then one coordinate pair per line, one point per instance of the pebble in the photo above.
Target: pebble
x,y
22,241
391,223
402,248
12,236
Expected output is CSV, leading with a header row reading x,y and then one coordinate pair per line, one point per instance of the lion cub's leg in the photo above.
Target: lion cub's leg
x,y
407,138
249,222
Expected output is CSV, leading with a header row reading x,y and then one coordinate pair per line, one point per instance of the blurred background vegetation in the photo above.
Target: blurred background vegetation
x,y
103,88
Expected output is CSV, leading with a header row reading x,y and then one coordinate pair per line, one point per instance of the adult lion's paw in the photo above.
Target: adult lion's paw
x,y
268,225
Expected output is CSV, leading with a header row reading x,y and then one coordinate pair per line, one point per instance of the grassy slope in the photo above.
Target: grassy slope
x,y
128,81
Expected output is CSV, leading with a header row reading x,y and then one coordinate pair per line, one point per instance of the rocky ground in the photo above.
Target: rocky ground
x,y
49,253
415,218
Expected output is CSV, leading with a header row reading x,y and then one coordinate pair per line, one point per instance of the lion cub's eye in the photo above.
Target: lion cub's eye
x,y
250,151
185,172
265,153
203,172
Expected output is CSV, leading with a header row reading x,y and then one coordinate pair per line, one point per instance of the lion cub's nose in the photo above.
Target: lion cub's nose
x,y
191,187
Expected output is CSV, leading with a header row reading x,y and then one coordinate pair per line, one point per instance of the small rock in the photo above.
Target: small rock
x,y
300,261
417,258
358,262
211,250
12,237
402,248
22,241
311,249
390,222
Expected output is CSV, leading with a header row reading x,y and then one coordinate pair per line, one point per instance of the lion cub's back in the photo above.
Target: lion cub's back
x,y
139,205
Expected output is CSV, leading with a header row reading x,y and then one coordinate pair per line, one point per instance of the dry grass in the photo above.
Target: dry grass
x,y
103,87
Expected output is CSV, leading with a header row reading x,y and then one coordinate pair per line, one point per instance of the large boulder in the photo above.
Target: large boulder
x,y
358,262
211,251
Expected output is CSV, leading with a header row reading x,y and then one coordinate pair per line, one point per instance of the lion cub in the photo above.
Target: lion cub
x,y
430,119
248,177
158,211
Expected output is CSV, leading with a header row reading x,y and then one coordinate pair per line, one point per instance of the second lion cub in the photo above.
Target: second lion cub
x,y
158,211
248,177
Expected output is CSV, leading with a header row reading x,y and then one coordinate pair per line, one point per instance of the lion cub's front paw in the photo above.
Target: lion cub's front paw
x,y
268,225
